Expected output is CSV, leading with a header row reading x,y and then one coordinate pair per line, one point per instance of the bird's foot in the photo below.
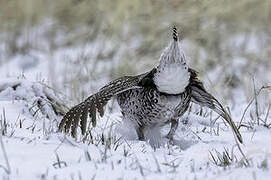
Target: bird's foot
x,y
140,138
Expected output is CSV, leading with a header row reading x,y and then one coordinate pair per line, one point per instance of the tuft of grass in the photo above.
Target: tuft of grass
x,y
59,163
227,158
264,164
223,159
259,121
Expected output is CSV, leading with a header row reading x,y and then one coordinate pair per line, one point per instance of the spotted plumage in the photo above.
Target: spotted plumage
x,y
155,98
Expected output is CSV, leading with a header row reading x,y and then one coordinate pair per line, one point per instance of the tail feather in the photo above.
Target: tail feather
x,y
174,33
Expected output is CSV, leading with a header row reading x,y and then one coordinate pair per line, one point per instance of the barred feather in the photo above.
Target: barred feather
x,y
174,33
78,114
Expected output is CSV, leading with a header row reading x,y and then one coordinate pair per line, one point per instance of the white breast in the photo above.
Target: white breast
x,y
172,79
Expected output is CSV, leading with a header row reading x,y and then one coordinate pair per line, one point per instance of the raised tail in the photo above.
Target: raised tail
x,y
174,33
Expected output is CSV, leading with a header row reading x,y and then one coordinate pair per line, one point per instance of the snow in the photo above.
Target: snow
x,y
30,111
34,154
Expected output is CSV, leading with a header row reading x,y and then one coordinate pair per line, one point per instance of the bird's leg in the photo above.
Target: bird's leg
x,y
140,134
173,128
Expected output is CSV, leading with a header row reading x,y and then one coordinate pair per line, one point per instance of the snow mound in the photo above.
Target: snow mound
x,y
34,102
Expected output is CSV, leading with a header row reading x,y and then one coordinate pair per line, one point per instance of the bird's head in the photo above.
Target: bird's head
x,y
172,75
173,53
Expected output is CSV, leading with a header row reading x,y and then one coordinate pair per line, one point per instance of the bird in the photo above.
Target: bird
x,y
158,97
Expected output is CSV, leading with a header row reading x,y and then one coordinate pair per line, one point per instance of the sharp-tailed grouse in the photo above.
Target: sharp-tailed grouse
x,y
154,98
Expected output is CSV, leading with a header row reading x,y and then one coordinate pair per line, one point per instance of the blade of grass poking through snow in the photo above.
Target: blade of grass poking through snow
x,y
267,114
250,102
7,168
3,123
256,102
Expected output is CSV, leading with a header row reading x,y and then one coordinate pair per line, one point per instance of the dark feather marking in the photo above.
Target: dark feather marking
x,y
92,116
174,33
83,120
75,121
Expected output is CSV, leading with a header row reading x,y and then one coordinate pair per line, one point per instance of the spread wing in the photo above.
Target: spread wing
x,y
200,96
77,116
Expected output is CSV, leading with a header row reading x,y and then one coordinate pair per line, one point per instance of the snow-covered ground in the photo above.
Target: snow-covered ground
x,y
204,147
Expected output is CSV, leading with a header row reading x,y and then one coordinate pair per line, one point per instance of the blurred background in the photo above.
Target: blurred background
x,y
76,46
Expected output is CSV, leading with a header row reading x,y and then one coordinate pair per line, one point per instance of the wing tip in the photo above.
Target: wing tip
x,y
77,116
240,139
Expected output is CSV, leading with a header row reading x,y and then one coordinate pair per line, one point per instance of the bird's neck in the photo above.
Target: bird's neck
x,y
172,78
